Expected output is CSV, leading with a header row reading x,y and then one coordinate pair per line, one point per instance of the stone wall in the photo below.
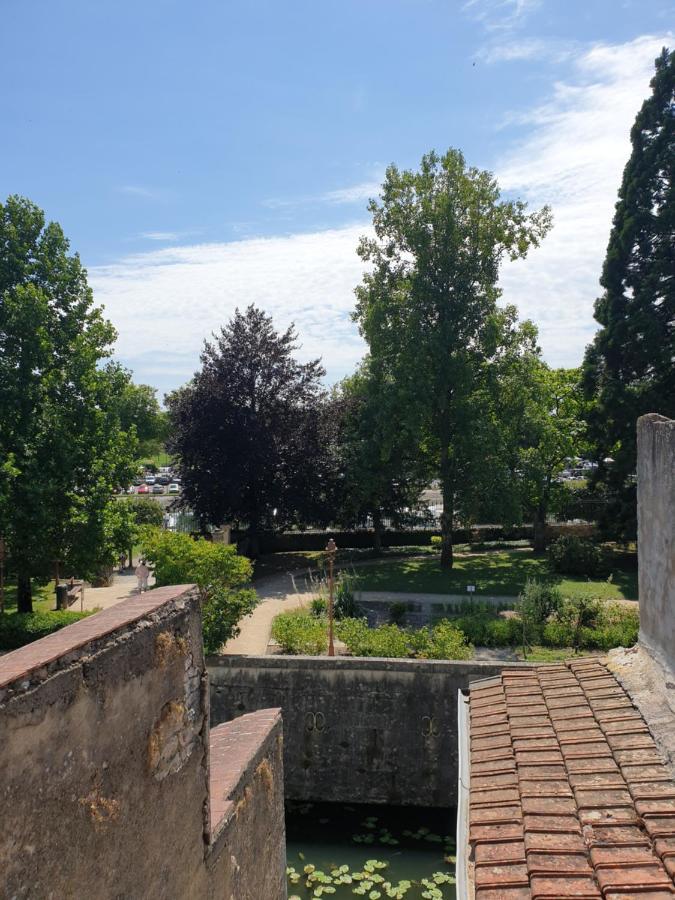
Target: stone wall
x,y
355,730
656,536
105,782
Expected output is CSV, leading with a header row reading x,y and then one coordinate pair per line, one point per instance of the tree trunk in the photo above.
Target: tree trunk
x,y
539,527
24,593
252,544
131,557
377,532
448,494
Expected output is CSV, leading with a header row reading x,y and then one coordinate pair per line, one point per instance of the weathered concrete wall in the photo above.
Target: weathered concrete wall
x,y
656,535
104,764
355,730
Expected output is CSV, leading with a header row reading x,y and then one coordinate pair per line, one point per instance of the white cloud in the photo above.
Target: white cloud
x,y
500,14
356,193
526,49
165,303
161,235
573,158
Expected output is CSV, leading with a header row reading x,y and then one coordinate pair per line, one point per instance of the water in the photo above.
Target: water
x,y
415,843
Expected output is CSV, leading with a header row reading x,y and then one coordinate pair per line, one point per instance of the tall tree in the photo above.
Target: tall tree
x,y
250,431
61,445
429,308
630,366
139,409
383,469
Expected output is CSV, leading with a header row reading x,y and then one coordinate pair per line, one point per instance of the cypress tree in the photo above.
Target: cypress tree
x,y
630,366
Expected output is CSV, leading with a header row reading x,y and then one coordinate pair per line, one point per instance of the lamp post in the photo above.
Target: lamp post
x,y
331,548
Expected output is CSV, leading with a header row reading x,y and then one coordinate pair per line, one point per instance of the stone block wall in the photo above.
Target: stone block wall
x,y
656,536
355,730
105,777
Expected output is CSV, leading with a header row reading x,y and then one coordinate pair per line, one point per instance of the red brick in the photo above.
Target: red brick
x,y
560,887
491,833
499,874
621,855
625,877
552,824
558,842
499,852
504,893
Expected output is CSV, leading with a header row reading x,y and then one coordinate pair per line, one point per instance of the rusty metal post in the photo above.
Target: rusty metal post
x,y
331,548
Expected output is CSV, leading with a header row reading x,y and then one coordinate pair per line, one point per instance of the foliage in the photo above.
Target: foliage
x,y
297,632
139,409
428,311
629,365
63,447
146,511
443,641
345,602
318,607
545,410
536,604
487,628
22,628
252,431
398,612
382,471
218,571
571,555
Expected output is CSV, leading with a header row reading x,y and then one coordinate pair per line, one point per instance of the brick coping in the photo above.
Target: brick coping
x,y
22,662
235,748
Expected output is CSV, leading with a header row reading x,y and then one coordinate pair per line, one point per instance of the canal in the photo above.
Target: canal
x,y
342,850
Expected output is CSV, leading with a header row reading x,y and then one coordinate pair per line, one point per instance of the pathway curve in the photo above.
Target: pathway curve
x,y
123,586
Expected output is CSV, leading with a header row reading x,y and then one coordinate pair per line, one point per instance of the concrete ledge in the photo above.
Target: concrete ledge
x,y
364,663
59,646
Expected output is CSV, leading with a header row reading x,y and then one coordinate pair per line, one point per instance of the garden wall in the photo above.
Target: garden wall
x,y
656,535
355,730
111,783
290,541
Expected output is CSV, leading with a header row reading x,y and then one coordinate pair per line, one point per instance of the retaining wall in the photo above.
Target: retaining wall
x,y
355,730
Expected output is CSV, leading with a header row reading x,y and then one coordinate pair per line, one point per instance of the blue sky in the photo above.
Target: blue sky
x,y
207,155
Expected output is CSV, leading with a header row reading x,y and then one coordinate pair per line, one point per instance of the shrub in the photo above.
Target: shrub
x,y
318,607
219,572
571,555
591,624
443,641
446,641
300,632
536,604
386,640
19,629
486,628
346,606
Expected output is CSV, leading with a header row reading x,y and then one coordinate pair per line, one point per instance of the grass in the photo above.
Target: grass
x,y
552,654
159,459
502,573
44,598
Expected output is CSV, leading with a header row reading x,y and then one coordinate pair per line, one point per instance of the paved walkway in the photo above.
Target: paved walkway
x,y
278,593
123,586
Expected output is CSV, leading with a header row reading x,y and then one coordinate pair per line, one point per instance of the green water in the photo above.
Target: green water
x,y
415,844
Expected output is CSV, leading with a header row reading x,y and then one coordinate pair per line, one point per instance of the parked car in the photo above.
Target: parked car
x,y
174,489
150,479
144,489
157,489
131,489
163,479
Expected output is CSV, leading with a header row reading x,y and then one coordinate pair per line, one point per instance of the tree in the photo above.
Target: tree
x,y
382,469
428,309
139,409
219,573
251,431
545,413
628,368
62,447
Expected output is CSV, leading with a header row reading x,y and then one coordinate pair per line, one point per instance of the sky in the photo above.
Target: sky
x,y
208,155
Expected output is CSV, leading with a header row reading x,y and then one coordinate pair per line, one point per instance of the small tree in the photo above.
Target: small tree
x,y
219,572
536,604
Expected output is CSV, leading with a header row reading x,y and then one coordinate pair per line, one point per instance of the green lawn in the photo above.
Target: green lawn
x,y
44,597
501,573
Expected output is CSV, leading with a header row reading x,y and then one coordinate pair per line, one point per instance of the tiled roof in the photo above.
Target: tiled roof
x,y
568,794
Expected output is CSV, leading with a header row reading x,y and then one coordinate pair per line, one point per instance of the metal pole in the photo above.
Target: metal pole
x,y
330,550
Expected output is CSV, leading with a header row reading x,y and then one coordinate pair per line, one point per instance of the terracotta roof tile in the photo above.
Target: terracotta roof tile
x,y
569,796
